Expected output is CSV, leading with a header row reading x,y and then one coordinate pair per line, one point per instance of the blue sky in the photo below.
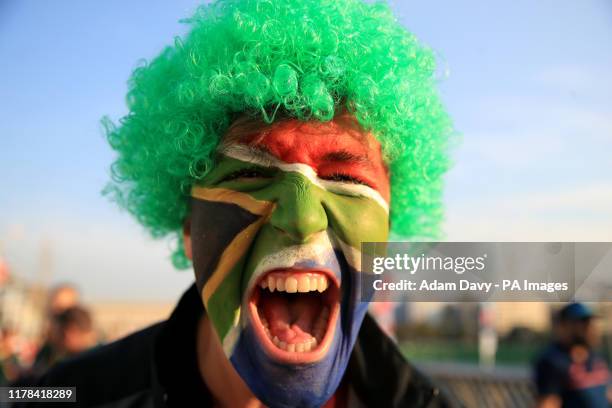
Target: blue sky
x,y
528,85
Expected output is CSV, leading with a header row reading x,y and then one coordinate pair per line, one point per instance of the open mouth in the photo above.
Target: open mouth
x,y
294,313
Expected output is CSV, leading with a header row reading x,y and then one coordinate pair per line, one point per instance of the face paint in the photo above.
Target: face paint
x,y
276,230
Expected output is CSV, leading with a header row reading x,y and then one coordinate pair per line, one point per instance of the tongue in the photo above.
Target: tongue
x,y
290,317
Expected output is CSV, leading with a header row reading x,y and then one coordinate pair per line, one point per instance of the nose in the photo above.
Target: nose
x,y
299,212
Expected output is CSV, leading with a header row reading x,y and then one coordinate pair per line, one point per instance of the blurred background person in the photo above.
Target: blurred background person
x,y
70,332
61,298
4,272
73,332
570,373
9,364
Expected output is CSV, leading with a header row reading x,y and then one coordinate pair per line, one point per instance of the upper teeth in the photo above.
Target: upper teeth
x,y
295,283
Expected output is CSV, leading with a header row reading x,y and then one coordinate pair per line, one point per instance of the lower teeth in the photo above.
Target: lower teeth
x,y
305,346
302,347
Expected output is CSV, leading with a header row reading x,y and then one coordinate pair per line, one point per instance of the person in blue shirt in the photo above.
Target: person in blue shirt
x,y
569,373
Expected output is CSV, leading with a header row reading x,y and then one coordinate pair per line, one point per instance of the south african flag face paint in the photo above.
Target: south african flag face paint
x,y
276,229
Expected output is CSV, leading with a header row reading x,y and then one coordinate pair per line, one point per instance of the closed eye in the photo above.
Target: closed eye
x,y
345,178
248,173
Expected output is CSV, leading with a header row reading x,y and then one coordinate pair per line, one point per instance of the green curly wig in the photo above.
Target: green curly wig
x,y
305,59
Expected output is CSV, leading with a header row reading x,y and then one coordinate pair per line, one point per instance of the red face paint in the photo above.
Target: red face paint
x,y
275,226
338,149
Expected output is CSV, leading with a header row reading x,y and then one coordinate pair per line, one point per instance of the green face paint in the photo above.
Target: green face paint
x,y
276,250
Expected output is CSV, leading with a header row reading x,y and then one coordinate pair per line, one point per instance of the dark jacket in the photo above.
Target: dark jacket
x,y
157,367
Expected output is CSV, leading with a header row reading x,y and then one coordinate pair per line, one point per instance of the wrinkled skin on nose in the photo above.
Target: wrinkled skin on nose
x,y
296,197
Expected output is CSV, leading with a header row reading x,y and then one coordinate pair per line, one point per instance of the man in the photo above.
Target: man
x,y
74,331
61,297
273,140
570,373
70,333
9,362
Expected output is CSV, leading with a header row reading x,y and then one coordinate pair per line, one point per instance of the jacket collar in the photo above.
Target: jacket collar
x,y
380,375
377,371
178,380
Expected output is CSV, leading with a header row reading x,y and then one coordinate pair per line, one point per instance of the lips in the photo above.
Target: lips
x,y
294,313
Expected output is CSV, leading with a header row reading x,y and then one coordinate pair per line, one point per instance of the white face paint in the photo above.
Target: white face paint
x,y
252,155
317,254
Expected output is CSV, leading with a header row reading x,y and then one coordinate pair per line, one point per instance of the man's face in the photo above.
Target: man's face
x,y
63,298
77,339
275,236
583,332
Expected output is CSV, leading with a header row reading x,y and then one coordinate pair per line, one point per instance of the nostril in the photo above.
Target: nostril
x,y
300,217
279,230
296,235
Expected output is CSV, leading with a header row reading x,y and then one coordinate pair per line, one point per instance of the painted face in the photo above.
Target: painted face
x,y
276,229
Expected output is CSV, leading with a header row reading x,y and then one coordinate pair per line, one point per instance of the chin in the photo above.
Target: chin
x,y
284,384
298,337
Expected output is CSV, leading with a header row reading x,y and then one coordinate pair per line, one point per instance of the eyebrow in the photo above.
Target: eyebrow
x,y
263,156
344,156
256,154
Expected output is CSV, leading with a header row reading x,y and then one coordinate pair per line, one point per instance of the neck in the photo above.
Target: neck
x,y
224,383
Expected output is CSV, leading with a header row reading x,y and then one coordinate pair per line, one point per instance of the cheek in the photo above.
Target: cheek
x,y
355,220
268,241
221,233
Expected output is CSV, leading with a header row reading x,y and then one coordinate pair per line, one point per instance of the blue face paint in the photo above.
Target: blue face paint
x,y
261,227
280,384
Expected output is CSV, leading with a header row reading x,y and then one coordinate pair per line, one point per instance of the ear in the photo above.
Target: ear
x,y
187,238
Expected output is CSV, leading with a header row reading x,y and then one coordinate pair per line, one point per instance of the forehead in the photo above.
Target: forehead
x,y
312,143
